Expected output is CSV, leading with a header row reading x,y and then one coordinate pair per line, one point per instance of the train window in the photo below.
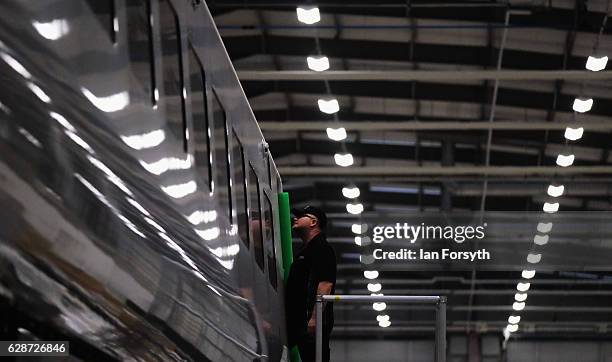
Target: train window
x,y
105,12
269,164
201,130
173,71
222,187
140,44
268,226
255,217
240,189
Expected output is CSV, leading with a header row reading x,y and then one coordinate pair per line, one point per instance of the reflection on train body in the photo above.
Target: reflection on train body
x,y
138,214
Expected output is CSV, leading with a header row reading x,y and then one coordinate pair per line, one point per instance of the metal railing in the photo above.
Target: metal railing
x,y
438,301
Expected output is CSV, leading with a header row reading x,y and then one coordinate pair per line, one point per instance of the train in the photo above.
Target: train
x,y
138,197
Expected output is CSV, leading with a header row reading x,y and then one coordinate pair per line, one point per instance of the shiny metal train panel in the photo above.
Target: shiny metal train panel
x,y
126,150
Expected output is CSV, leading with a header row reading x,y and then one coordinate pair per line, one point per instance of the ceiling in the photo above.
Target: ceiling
x,y
439,102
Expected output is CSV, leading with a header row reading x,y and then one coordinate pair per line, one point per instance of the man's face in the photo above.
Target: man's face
x,y
303,223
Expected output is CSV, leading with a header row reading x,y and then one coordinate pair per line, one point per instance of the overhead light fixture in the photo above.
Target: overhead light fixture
x,y
374,287
550,207
359,228
520,297
518,306
574,134
362,240
582,105
344,160
514,319
512,328
308,15
370,274
382,317
379,306
528,274
540,240
565,160
596,64
318,64
356,228
351,192
354,209
544,227
366,259
336,134
330,106
534,258
555,191
523,287
384,324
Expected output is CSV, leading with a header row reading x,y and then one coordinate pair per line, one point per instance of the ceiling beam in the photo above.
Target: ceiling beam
x,y
271,126
445,171
422,75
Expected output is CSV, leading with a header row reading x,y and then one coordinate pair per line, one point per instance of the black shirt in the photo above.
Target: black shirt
x,y
315,263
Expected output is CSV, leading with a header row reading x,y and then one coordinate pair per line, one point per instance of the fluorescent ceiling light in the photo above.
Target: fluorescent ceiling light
x,y
318,64
565,160
354,209
596,64
582,105
374,287
518,306
382,317
523,287
379,307
514,319
534,258
328,106
344,160
540,239
512,328
555,191
336,134
550,207
366,259
308,15
370,274
384,324
528,274
350,192
520,297
362,240
545,227
574,134
359,228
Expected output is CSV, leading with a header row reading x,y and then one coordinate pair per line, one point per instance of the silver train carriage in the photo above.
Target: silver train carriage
x,y
138,199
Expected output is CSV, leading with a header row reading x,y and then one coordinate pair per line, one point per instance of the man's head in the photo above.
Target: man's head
x,y
308,220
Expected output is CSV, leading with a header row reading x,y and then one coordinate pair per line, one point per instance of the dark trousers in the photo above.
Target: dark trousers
x,y
307,345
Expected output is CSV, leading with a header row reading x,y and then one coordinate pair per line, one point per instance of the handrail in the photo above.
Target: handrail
x,y
438,301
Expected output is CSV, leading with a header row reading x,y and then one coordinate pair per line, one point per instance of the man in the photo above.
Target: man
x,y
313,272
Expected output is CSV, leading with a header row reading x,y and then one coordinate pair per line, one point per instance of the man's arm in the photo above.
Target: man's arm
x,y
324,288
